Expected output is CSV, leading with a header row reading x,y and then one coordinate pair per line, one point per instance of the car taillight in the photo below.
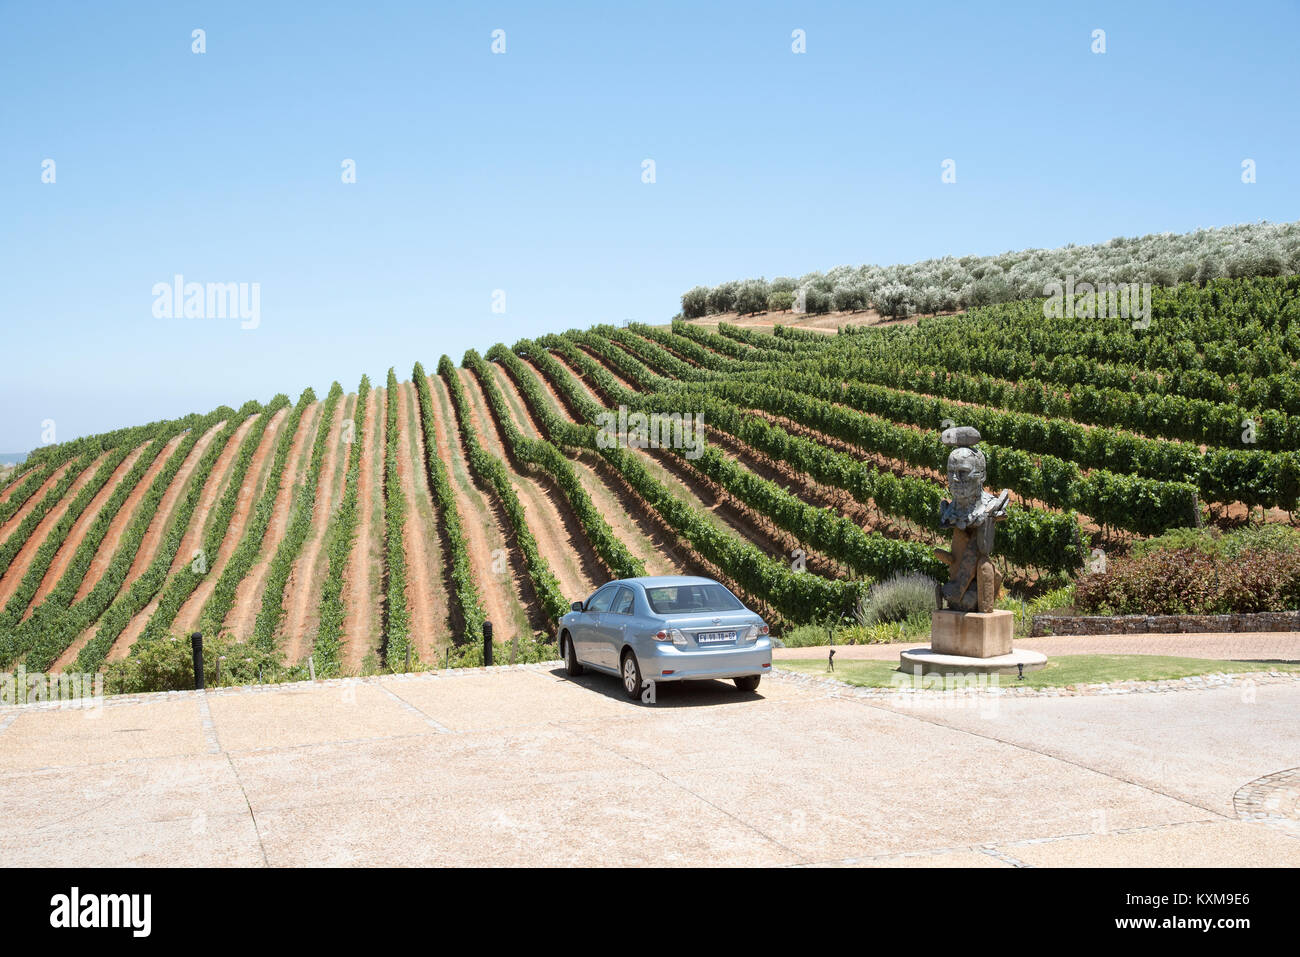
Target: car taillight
x,y
673,635
663,636
762,629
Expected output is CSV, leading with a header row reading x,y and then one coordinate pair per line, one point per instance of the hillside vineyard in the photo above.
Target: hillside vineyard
x,y
390,524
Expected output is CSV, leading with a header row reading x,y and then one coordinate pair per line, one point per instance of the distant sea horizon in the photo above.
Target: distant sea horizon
x,y
12,458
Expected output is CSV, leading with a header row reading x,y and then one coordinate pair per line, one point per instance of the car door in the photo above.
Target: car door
x,y
587,638
613,627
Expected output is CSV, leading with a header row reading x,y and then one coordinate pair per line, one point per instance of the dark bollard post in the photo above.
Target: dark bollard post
x,y
196,643
487,644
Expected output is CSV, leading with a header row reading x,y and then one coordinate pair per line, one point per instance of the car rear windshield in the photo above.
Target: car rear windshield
x,y
686,599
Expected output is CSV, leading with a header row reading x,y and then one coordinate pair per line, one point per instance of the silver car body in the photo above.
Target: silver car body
x,y
620,616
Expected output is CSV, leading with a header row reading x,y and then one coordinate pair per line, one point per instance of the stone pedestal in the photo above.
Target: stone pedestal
x,y
971,634
968,642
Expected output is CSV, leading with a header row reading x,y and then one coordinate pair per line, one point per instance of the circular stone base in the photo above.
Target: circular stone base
x,y
931,662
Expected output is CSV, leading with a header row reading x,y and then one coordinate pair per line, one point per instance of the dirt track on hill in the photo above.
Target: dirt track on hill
x,y
706,496
187,619
648,539
166,509
614,373
802,485
153,542
303,590
122,521
213,488
642,538
63,557
583,383
724,513
28,506
827,323
426,565
11,483
359,581
248,596
506,596
17,569
560,538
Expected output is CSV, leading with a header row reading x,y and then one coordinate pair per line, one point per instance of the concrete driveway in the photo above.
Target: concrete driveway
x,y
520,766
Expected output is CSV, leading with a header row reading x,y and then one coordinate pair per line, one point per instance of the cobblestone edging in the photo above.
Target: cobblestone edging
x,y
978,686
1273,799
1163,624
110,700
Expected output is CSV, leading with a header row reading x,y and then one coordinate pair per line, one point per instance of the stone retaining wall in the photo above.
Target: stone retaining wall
x,y
1169,624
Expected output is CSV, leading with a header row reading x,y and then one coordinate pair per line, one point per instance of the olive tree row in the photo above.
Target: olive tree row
x,y
941,285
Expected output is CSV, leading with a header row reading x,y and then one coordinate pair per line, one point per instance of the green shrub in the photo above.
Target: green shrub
x,y
1213,541
916,628
518,651
902,596
1262,538
1173,581
1204,540
163,662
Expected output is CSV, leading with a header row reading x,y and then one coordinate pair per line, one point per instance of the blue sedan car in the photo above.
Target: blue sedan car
x,y
668,628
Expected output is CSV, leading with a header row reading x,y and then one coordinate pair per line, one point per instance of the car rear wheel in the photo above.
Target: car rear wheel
x,y
748,683
631,676
571,666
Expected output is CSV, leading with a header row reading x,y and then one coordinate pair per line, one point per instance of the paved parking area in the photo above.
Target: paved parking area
x,y
521,766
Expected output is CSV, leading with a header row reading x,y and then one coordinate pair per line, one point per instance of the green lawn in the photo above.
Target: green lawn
x,y
1059,672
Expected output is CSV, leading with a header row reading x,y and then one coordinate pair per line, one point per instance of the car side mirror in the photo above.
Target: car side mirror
x,y
576,606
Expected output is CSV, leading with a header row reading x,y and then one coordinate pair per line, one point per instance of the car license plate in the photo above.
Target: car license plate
x,y
715,637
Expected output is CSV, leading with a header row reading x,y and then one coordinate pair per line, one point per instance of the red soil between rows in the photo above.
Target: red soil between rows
x,y
166,510
158,529
560,538
16,479
17,569
63,557
29,506
426,596
122,521
248,594
642,537
218,478
109,547
358,577
297,628
491,586
187,618
706,495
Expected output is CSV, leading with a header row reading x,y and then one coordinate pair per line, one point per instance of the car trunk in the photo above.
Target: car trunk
x,y
709,630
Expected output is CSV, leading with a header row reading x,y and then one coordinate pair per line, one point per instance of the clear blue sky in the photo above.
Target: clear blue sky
x,y
522,171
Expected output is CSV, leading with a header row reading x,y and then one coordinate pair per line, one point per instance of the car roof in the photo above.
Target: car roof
x,y
659,581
